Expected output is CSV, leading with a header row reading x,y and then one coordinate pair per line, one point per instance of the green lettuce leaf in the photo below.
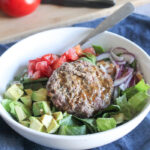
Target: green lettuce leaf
x,y
90,123
104,124
72,130
68,120
111,109
125,107
5,103
89,57
98,49
139,87
138,101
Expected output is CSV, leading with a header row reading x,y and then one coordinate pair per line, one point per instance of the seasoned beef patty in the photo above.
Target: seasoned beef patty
x,y
80,88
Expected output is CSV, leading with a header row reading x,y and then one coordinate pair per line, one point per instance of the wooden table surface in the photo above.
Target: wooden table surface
x,y
52,16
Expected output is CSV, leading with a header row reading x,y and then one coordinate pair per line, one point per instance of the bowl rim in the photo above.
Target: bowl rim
x,y
3,112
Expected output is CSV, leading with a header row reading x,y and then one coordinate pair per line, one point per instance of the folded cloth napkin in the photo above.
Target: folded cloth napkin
x,y
137,29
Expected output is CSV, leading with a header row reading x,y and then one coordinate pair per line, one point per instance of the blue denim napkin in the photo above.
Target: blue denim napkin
x,y
137,29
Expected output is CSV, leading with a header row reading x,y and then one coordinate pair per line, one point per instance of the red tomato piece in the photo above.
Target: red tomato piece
x,y
59,62
71,54
36,75
18,8
89,50
50,58
78,50
44,68
31,65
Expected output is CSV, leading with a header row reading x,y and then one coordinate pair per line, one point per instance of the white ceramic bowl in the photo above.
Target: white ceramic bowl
x,y
55,41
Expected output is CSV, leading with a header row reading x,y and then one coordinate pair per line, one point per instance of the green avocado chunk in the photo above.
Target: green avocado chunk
x,y
20,112
35,124
26,100
58,115
25,123
13,92
5,103
41,108
52,128
28,92
39,95
46,120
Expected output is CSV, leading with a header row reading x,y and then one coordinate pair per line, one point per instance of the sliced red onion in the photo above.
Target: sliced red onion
x,y
103,56
125,85
124,78
119,50
112,60
116,58
119,70
115,94
128,57
133,81
121,62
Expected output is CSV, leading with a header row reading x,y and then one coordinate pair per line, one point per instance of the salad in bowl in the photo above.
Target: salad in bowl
x,y
81,91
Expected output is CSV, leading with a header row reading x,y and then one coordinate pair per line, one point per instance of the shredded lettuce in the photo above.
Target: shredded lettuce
x,y
68,120
125,107
141,86
137,98
72,130
138,101
104,124
98,49
89,57
90,124
5,103
107,112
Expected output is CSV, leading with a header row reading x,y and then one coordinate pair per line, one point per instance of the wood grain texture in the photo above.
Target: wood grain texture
x,y
51,16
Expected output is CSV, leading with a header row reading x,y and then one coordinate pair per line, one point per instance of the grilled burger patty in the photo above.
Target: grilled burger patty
x,y
80,88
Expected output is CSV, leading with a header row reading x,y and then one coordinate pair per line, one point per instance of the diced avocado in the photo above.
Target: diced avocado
x,y
20,85
13,92
44,129
22,106
120,118
26,100
53,126
28,91
12,109
58,115
25,123
40,95
35,124
46,120
41,108
6,103
20,113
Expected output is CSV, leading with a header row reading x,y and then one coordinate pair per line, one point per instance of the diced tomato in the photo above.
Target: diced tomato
x,y
71,54
42,65
36,75
89,50
59,62
78,50
44,68
31,66
50,58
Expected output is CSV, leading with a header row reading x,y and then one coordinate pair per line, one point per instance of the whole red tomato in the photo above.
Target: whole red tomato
x,y
18,8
